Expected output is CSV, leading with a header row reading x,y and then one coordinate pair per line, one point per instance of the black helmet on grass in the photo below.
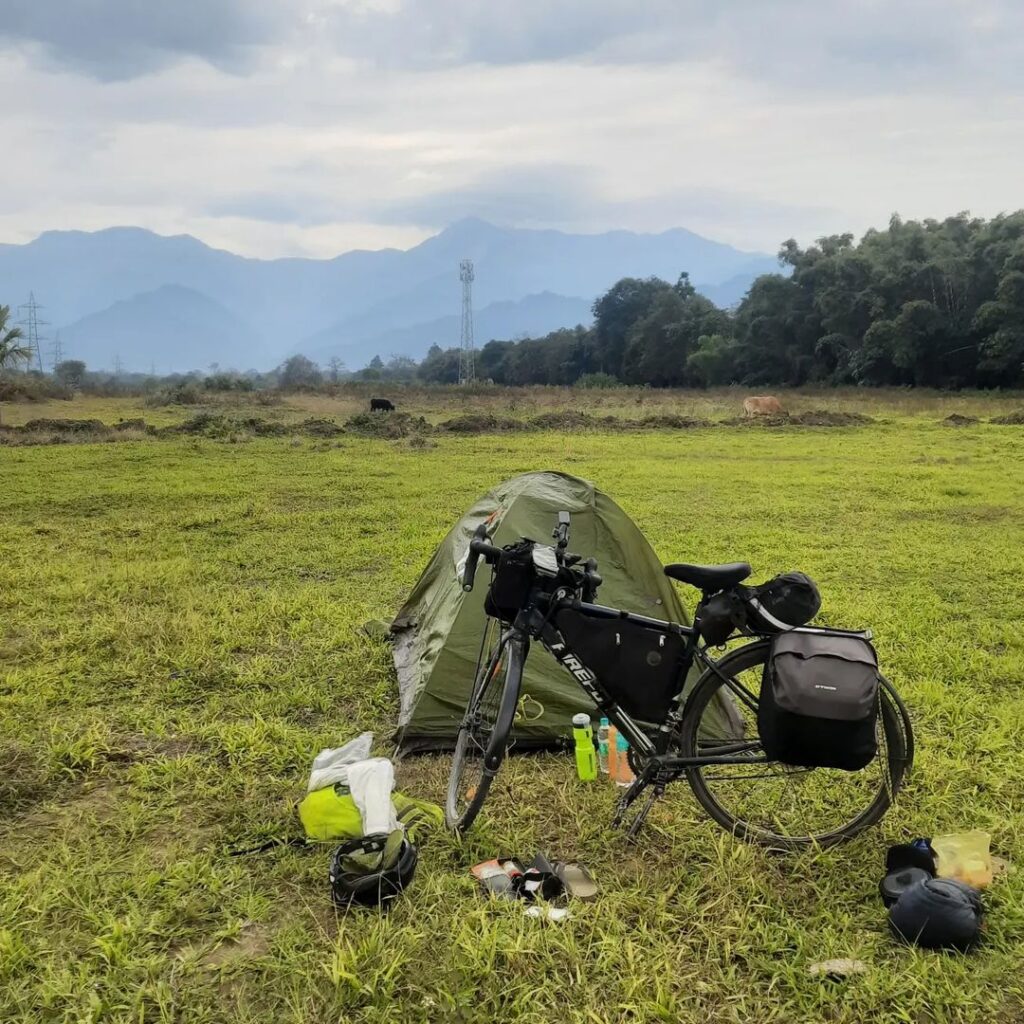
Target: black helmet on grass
x,y
372,870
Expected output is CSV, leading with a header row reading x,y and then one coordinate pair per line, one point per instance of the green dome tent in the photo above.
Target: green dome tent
x,y
437,633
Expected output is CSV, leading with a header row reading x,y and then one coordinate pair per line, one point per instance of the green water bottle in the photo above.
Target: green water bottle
x,y
583,735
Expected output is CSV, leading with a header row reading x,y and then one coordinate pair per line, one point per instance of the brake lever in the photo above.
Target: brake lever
x,y
473,558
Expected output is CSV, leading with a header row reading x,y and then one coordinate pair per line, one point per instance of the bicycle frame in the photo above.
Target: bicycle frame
x,y
533,622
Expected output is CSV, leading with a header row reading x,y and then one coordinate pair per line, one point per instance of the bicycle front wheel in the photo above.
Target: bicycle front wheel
x,y
483,736
781,806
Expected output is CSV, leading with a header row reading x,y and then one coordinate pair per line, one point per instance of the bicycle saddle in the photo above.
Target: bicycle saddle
x,y
709,578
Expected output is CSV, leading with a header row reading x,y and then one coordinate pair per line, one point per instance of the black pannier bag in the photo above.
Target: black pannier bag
x,y
819,701
638,666
513,577
784,602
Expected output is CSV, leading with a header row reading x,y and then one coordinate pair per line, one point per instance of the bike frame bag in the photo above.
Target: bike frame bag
x,y
639,667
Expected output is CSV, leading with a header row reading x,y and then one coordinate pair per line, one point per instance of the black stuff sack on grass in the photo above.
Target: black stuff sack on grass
x,y
938,913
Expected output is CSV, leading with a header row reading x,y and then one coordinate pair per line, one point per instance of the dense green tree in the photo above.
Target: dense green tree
x,y
660,343
714,361
298,372
12,351
615,313
441,366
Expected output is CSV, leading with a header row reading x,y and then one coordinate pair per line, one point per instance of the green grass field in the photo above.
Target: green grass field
x,y
180,633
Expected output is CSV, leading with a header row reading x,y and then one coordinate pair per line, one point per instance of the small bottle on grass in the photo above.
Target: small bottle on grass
x,y
602,745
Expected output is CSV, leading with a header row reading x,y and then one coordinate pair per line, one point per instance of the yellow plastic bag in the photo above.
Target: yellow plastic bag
x,y
327,814
965,857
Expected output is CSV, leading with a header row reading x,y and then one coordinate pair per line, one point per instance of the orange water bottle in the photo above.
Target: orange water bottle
x,y
623,773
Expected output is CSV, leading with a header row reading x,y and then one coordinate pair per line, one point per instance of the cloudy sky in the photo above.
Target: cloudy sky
x,y
288,127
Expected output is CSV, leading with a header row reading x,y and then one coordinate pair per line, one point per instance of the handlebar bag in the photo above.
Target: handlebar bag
x,y
819,701
639,667
510,585
784,602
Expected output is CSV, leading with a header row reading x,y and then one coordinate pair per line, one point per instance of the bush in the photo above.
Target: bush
x,y
30,387
179,394
392,426
1010,419
227,382
598,380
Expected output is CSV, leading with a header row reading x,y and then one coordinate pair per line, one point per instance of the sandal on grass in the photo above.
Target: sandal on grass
x,y
576,879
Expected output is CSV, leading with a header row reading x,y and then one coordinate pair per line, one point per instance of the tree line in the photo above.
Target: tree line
x,y
926,303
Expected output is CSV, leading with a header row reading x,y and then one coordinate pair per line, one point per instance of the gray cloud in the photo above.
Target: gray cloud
x,y
273,208
117,39
371,122
868,45
527,196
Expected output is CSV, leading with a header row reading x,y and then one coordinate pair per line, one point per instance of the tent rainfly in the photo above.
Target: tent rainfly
x,y
437,634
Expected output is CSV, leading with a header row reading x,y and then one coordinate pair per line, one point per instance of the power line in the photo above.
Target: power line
x,y
31,322
467,371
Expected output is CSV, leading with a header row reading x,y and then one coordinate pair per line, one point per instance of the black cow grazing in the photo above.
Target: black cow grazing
x,y
381,405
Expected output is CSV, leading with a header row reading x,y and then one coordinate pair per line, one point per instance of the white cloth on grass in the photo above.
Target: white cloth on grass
x,y
370,783
331,766
370,780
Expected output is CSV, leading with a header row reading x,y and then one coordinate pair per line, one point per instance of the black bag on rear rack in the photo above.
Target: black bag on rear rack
x,y
784,602
639,666
819,701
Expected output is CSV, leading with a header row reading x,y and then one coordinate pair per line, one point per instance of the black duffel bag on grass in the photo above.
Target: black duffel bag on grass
x,y
819,701
784,602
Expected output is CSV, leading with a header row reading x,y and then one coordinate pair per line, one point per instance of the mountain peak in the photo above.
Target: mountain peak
x,y
475,228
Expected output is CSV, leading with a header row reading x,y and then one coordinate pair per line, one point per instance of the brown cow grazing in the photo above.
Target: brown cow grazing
x,y
764,406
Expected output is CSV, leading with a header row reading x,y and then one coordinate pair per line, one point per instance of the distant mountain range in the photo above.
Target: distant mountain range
x,y
173,303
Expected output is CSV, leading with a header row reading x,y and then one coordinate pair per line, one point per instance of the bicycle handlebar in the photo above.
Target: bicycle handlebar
x,y
588,579
478,546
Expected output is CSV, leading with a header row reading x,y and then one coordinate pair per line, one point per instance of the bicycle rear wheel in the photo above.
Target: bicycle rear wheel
x,y
776,805
480,747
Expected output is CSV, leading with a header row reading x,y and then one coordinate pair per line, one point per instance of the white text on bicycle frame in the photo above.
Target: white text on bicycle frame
x,y
581,673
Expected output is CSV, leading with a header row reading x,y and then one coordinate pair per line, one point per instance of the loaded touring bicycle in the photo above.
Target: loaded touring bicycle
x,y
793,738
